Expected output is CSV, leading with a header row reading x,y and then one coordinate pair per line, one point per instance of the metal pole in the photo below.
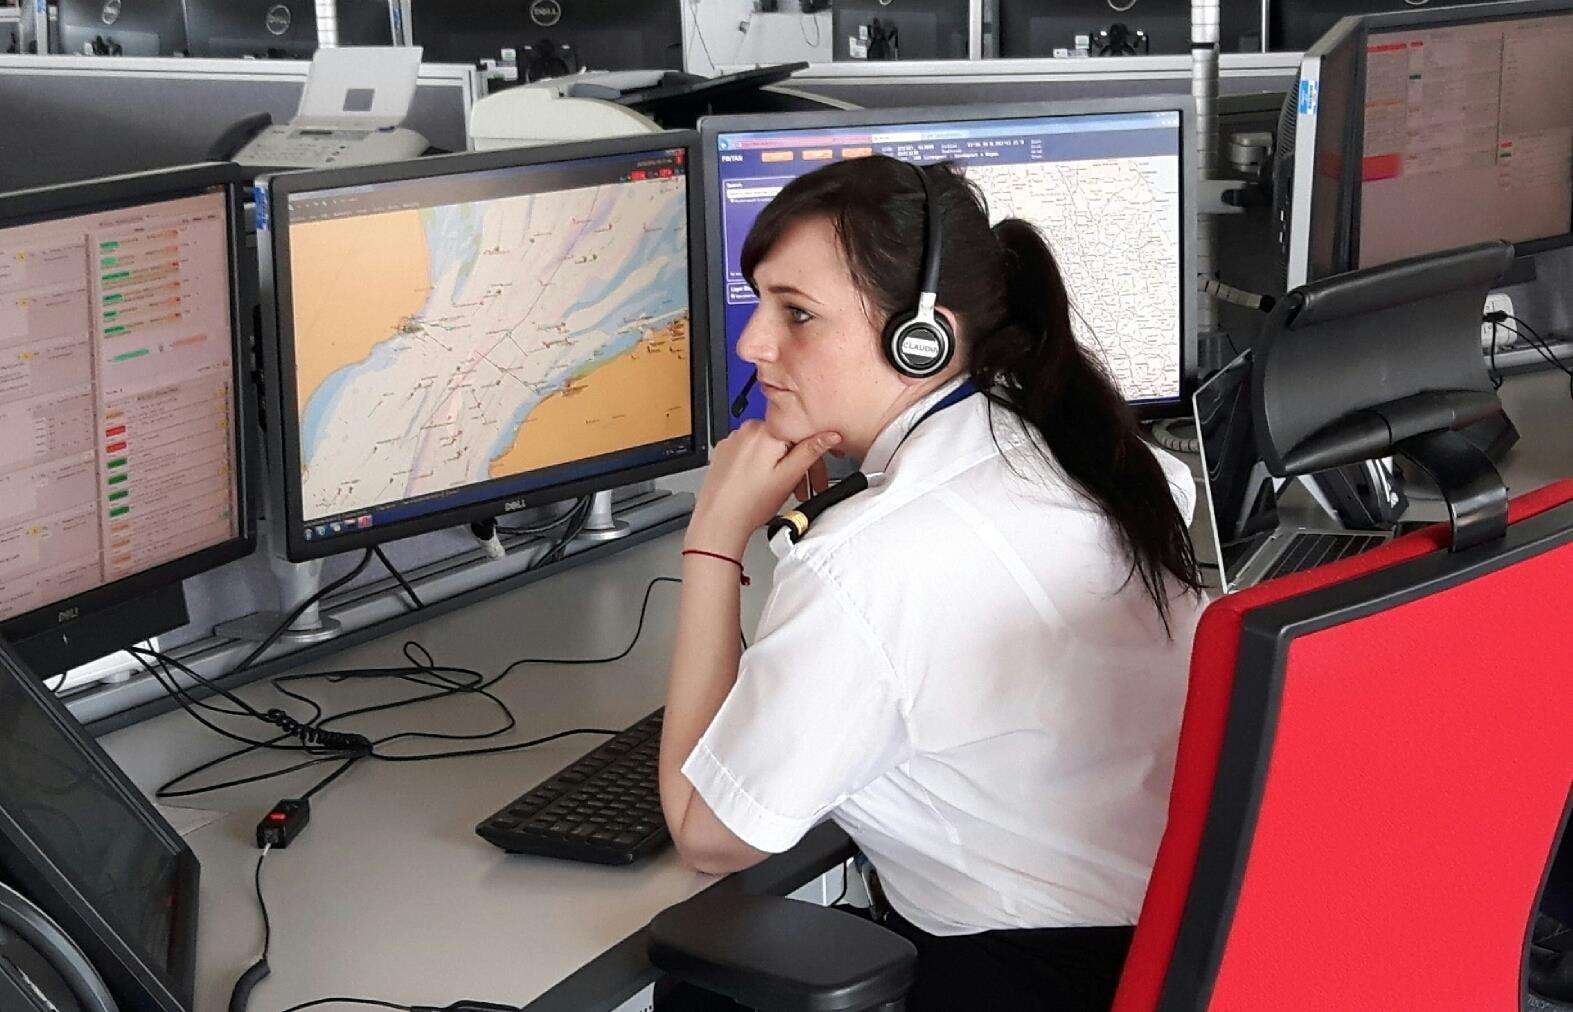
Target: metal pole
x,y
1204,89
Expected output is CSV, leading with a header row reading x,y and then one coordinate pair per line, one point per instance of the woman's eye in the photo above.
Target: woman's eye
x,y
799,315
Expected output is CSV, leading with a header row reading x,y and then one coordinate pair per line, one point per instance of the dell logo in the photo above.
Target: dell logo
x,y
111,12
69,615
278,19
546,13
513,504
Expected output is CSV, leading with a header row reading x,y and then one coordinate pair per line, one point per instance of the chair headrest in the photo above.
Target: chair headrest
x,y
1349,367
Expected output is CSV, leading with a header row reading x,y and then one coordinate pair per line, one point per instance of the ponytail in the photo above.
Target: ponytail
x,y
1034,365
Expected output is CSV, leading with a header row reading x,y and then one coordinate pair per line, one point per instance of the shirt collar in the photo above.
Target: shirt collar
x,y
884,446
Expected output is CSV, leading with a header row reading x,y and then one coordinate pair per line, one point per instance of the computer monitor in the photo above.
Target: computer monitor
x,y
910,30
84,845
1295,25
1432,130
279,29
119,364
603,34
461,336
365,23
1110,182
122,27
1036,28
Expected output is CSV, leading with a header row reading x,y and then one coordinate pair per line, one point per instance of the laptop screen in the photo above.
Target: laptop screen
x,y
1242,495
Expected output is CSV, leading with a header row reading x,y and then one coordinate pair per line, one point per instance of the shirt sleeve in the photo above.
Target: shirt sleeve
x,y
814,717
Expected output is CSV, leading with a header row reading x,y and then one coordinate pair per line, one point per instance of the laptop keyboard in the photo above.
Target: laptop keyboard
x,y
1309,549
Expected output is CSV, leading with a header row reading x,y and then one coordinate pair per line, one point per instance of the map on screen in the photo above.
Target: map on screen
x,y
448,345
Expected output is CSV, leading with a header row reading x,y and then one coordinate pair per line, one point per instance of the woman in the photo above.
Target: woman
x,y
975,667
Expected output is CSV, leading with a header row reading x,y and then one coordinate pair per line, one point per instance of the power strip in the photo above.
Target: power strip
x,y
1505,338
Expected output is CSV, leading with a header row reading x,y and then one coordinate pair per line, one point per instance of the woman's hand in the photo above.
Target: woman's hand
x,y
751,475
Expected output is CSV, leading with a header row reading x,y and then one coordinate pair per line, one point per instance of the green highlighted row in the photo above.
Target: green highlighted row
x,y
116,276
120,511
113,298
128,355
109,245
119,495
117,462
117,479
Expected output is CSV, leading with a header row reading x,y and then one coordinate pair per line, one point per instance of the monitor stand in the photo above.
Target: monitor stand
x,y
297,581
600,525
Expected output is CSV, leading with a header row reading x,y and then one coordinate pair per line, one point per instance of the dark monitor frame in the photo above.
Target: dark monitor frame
x,y
40,875
513,24
171,16
26,207
283,436
711,127
207,19
1359,30
1014,26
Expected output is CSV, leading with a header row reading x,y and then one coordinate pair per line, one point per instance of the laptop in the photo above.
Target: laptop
x,y
1253,542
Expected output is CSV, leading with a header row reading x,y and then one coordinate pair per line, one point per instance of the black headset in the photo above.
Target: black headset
x,y
918,342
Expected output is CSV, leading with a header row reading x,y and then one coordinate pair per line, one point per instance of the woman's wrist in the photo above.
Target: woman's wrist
x,y
714,537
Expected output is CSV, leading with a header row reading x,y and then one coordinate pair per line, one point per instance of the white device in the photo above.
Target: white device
x,y
350,113
561,109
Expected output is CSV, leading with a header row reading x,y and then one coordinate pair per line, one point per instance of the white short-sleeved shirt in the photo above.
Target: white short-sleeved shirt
x,y
957,667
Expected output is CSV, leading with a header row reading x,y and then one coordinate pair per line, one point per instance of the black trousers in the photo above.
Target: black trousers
x,y
1032,970
1036,970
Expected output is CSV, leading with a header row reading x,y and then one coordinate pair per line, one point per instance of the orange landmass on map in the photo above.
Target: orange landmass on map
x,y
357,282
639,397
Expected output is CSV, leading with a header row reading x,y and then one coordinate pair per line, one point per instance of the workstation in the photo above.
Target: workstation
x,y
370,399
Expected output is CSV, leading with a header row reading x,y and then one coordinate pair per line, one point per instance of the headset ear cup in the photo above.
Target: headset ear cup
x,y
918,348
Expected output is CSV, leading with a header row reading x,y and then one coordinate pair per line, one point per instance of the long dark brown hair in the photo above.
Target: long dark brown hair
x,y
1006,290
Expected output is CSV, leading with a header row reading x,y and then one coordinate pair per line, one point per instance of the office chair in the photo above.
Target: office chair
x,y
1373,769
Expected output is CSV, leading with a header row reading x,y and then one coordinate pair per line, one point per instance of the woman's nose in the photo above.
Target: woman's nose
x,y
754,344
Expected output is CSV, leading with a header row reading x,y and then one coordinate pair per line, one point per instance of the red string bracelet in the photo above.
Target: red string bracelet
x,y
743,575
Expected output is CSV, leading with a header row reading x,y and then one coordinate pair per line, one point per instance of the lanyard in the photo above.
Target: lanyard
x,y
797,522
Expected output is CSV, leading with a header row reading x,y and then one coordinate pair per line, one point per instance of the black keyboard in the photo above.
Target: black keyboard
x,y
1309,549
604,808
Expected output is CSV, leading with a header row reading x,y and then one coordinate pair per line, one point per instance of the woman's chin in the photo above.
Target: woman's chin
x,y
787,429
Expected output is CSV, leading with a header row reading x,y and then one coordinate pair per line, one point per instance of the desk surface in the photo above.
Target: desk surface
x,y
389,894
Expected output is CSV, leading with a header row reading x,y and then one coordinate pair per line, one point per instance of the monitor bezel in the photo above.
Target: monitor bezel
x,y
710,127
49,885
1360,28
25,207
283,436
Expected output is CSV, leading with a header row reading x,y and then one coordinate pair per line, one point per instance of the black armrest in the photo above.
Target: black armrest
x,y
782,955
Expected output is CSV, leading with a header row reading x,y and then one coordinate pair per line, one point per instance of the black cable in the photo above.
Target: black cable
x,y
258,971
539,529
1492,371
300,609
393,571
845,878
325,781
1540,344
315,1002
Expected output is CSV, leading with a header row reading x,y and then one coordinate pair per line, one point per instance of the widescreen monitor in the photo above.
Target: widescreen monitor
x,y
1425,131
122,472
1296,25
1037,28
1110,183
461,336
603,34
280,29
909,30
366,23
122,27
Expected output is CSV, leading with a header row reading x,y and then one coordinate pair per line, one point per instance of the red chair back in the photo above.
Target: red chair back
x,y
1375,766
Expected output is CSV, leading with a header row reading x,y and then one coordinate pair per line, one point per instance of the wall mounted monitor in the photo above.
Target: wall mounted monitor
x,y
460,336
119,372
1110,183
122,27
278,29
604,34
